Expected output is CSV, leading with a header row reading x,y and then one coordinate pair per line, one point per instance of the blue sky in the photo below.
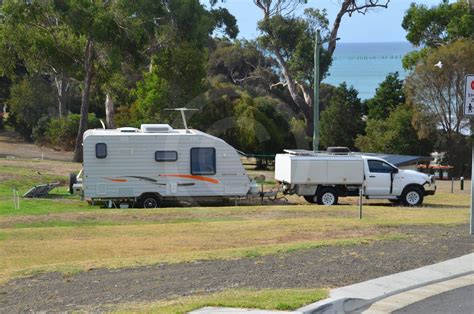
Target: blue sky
x,y
379,25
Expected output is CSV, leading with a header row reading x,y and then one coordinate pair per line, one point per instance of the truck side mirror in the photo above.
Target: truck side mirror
x,y
395,170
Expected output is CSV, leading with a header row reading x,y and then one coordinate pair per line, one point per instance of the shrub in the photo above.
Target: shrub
x,y
30,100
40,129
62,132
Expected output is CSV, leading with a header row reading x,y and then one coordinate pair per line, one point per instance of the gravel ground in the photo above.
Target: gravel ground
x,y
322,267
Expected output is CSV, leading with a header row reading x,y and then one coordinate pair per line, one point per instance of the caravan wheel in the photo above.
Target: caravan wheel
x,y
149,201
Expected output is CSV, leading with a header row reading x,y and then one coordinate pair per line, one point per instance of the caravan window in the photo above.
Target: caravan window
x,y
203,160
100,150
163,155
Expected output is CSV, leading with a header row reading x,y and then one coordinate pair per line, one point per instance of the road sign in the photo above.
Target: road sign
x,y
469,96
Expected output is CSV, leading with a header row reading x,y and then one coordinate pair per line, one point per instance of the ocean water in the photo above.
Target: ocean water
x,y
365,65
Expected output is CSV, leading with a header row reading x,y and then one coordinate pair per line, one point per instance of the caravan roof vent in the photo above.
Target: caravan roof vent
x,y
128,130
156,128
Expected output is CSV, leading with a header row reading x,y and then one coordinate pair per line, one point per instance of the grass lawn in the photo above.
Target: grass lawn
x,y
283,299
62,233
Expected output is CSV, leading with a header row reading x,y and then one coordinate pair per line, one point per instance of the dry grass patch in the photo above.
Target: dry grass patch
x,y
292,227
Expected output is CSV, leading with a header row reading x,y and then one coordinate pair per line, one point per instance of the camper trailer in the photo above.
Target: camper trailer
x,y
156,162
324,177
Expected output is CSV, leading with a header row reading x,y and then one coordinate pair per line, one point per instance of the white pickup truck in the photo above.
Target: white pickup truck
x,y
323,178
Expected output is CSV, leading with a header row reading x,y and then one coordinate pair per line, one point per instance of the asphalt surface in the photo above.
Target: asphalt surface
x,y
456,301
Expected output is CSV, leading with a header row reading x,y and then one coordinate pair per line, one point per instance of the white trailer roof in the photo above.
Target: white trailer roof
x,y
127,131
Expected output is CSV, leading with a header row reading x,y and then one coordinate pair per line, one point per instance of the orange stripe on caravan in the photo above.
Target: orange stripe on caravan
x,y
189,176
117,180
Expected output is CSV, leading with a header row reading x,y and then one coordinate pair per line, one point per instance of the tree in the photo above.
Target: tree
x,y
439,91
29,37
291,40
242,63
436,26
394,135
30,100
178,69
388,96
85,35
341,122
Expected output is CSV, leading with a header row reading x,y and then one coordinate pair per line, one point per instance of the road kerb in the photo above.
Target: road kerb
x,y
357,296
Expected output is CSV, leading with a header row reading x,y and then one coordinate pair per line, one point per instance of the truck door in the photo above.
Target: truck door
x,y
379,178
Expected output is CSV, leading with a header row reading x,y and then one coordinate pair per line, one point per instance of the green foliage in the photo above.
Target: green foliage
x,y
394,135
342,121
295,38
62,132
29,101
438,93
257,131
438,25
249,124
176,78
388,96
241,63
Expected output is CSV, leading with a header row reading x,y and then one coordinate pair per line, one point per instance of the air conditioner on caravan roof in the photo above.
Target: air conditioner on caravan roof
x,y
156,128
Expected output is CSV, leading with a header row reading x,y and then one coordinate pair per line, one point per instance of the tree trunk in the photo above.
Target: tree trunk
x,y
109,112
304,104
60,96
335,27
88,64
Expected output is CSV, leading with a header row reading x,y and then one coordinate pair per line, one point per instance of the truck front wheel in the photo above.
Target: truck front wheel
x,y
412,196
327,196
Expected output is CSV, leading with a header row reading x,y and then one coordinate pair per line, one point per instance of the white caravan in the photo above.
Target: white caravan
x,y
323,177
144,166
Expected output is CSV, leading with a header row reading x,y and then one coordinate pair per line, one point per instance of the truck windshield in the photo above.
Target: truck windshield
x,y
380,166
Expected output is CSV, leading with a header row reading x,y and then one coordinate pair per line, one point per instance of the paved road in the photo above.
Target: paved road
x,y
460,300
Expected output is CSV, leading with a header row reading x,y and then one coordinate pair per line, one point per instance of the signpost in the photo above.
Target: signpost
x,y
469,112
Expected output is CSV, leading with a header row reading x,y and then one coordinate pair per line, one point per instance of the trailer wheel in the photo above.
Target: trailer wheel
x,y
310,199
327,196
72,181
412,196
149,201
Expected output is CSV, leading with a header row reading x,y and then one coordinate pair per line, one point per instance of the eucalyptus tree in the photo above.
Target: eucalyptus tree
x,y
32,37
435,26
74,41
290,40
439,91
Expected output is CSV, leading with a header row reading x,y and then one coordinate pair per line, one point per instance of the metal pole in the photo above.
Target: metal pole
x,y
360,203
317,48
472,191
452,185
